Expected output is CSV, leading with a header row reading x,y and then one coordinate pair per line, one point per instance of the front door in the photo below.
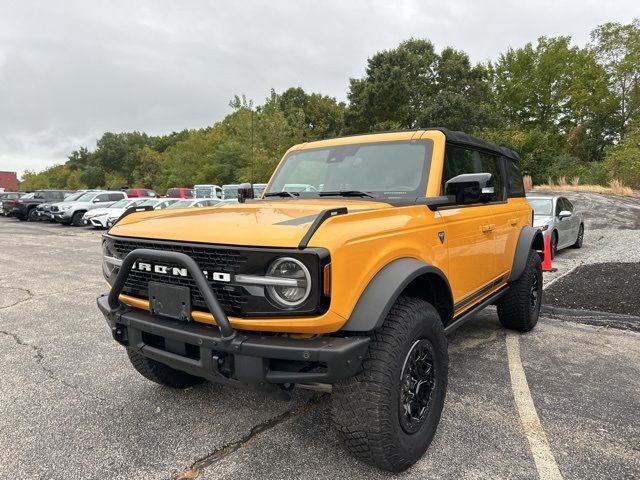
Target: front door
x,y
470,231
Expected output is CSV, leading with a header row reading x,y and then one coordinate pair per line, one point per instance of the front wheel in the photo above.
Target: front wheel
x,y
33,215
388,413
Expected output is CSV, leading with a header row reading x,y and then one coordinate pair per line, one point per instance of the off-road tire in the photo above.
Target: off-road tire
x,y
366,407
579,238
160,373
77,219
33,215
516,310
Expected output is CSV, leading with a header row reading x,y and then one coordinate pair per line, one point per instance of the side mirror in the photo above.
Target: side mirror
x,y
245,191
470,188
95,200
564,214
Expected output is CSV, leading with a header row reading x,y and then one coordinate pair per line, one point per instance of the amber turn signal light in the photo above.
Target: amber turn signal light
x,y
327,280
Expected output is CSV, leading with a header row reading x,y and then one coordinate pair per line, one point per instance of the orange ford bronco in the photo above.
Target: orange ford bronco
x,y
345,276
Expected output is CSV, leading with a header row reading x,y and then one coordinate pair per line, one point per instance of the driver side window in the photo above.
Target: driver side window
x,y
461,160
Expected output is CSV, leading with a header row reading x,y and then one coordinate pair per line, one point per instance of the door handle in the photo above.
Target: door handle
x,y
487,228
514,221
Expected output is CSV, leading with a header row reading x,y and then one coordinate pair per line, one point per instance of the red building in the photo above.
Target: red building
x,y
9,181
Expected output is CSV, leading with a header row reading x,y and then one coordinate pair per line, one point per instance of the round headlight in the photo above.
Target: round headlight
x,y
296,284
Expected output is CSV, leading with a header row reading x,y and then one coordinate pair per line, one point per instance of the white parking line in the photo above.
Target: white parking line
x,y
542,456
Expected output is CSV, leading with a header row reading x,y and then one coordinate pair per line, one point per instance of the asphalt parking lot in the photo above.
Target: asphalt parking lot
x,y
72,407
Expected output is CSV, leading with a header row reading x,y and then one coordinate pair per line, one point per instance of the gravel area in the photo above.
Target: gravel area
x,y
600,246
605,287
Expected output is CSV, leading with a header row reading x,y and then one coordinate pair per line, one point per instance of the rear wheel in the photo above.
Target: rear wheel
x,y
388,413
579,238
160,373
519,308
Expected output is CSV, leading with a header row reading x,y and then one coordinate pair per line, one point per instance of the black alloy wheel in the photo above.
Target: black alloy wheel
x,y
417,382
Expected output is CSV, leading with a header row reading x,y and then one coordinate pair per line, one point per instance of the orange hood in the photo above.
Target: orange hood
x,y
266,223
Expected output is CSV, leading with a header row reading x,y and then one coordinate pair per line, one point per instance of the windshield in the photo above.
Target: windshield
x,y
165,204
181,204
28,195
541,206
121,203
230,192
146,203
73,196
204,191
86,197
383,170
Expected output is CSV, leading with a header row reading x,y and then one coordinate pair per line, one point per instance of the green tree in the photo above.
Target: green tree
x,y
314,115
397,86
622,161
413,86
558,89
617,49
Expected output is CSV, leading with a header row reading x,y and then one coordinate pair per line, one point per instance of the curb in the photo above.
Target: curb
x,y
594,317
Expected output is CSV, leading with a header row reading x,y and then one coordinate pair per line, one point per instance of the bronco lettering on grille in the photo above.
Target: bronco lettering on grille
x,y
178,271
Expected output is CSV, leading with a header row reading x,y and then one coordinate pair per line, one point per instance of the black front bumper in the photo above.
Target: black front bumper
x,y
249,358
220,353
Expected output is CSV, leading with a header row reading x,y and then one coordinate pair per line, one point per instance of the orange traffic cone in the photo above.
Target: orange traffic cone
x,y
546,261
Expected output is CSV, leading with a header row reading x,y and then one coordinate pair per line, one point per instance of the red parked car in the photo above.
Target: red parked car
x,y
141,193
180,192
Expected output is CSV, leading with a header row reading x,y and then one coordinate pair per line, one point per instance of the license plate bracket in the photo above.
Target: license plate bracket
x,y
173,301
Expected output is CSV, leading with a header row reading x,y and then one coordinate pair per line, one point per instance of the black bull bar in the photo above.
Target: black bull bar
x,y
227,331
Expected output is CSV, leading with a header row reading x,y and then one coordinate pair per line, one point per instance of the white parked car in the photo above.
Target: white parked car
x,y
156,203
119,206
195,203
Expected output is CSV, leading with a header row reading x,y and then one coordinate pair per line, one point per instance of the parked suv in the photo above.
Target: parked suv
x,y
141,193
25,208
180,192
72,212
44,209
8,198
348,285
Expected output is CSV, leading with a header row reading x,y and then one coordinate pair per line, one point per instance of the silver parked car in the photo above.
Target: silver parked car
x,y
557,217
72,212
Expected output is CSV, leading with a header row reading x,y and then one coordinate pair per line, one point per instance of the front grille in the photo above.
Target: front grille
x,y
212,259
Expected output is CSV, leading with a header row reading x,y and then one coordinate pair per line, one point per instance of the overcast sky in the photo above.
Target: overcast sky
x,y
71,70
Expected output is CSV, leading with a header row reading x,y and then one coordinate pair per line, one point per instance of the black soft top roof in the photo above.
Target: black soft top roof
x,y
463,139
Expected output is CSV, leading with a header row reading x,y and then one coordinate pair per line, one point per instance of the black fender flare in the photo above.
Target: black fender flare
x,y
385,288
530,239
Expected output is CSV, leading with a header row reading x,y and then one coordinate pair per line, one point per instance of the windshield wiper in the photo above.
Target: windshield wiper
x,y
283,193
346,193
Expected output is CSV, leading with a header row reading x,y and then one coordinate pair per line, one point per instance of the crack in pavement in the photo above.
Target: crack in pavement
x,y
28,292
49,294
220,453
39,358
